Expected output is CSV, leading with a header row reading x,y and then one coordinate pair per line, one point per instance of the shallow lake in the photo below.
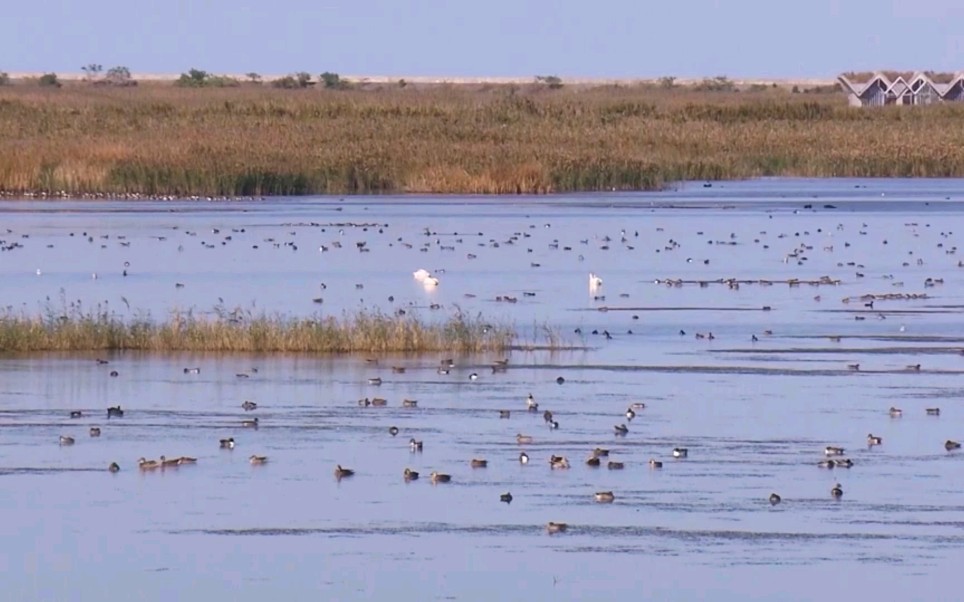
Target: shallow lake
x,y
739,314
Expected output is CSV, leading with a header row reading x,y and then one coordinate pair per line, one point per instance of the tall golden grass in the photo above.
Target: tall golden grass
x,y
77,329
162,140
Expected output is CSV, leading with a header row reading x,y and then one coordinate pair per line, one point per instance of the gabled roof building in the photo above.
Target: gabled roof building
x,y
879,90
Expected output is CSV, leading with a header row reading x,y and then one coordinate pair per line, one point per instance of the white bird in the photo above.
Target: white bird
x,y
594,281
430,281
421,274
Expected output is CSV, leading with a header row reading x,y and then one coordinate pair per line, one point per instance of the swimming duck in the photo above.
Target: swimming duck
x,y
409,403
775,499
520,438
186,460
506,497
872,440
341,473
547,416
655,463
523,458
227,443
843,463
145,464
620,430
364,403
379,402
410,475
415,446
554,425
375,381
827,463
64,440
833,451
630,414
560,380
95,431
165,462
556,527
558,462
638,406
895,412
76,414
836,492
600,452
950,445
680,452
192,371
504,413
933,411
615,466
438,477
605,497
251,423
114,467
115,412
258,459
398,369
531,403
477,463
593,461
393,431
249,406
474,376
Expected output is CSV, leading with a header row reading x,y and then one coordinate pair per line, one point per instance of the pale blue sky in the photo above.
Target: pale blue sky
x,y
605,38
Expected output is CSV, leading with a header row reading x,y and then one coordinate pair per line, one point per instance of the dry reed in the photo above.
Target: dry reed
x,y
252,141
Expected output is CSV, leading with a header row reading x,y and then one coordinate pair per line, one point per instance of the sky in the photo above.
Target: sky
x,y
476,38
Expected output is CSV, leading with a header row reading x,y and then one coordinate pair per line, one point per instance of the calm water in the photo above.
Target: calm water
x,y
755,415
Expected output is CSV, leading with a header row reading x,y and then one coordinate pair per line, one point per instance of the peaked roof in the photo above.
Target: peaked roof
x,y
900,85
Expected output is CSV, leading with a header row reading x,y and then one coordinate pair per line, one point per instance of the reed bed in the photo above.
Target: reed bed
x,y
76,329
258,141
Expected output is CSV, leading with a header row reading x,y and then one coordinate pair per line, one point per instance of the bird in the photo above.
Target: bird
x,y
680,452
115,412
594,281
621,430
556,527
933,411
438,477
872,440
186,460
145,464
252,423
836,492
531,403
255,460
168,462
95,431
605,497
833,451
478,463
76,414
615,466
775,499
951,445
505,413
409,475
473,376
227,443
192,371
593,461
114,467
393,431
560,462
630,414
523,458
249,406
341,473
64,440
415,446
521,439
655,463
506,497
895,412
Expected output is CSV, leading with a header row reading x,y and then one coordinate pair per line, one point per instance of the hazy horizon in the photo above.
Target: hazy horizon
x,y
617,39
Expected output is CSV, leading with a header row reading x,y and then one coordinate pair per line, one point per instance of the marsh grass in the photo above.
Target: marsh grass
x,y
257,140
74,328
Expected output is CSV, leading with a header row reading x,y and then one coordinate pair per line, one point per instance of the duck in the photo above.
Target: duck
x,y
560,462
192,371
621,430
895,412
409,403
523,458
630,414
249,406
593,461
227,443
478,463
393,431
379,402
186,460
680,452
872,440
505,413
547,416
836,492
375,381
933,411
410,475
830,450
250,423
115,412
253,459
114,467
165,462
600,452
594,281
474,376
615,466
531,403
843,463
605,497
655,463
415,446
341,473
638,406
145,464
65,440
95,431
556,527
438,477
521,439
506,497
76,414
775,499
827,463
951,445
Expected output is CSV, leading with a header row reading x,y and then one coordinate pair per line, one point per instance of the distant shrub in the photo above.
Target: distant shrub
x,y
119,76
667,82
49,80
333,81
402,83
253,78
196,78
4,78
720,83
294,82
